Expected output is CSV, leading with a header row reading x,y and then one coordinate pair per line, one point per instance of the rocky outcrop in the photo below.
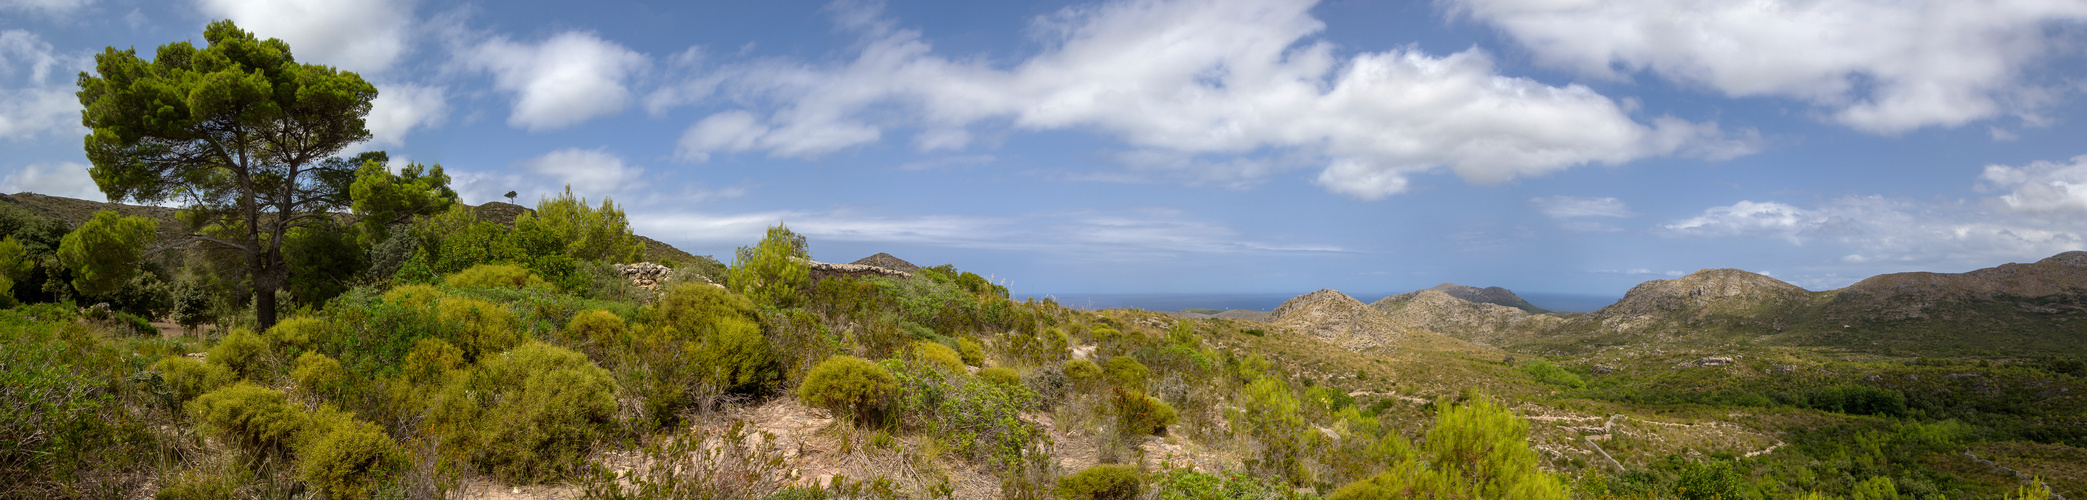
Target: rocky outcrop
x,y
828,270
1335,317
1485,323
885,260
1722,299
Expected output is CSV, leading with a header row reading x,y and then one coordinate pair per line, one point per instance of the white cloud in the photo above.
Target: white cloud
x,y
1139,233
65,179
589,171
2043,186
1882,66
569,78
1197,77
1880,229
402,107
36,90
363,36
1566,207
1754,219
46,7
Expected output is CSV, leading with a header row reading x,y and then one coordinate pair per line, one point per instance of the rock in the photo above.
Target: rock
x,y
1714,361
1782,369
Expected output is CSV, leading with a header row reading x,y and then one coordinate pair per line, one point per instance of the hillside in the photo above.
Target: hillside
x,y
1336,318
1489,295
2037,308
1486,323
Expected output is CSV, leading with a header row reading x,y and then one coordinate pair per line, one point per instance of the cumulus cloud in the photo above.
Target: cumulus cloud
x,y
65,179
361,36
586,170
1196,77
1567,207
402,107
569,78
2042,187
36,90
1881,66
1879,229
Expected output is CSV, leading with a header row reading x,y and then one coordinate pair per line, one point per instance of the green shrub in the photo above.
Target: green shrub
x,y
350,460
1716,479
738,360
848,386
531,413
1859,400
430,359
599,327
1139,414
720,332
496,276
1545,372
1101,482
1875,488
241,351
775,272
938,355
256,418
1185,484
187,378
320,374
1126,371
971,352
1083,372
478,327
416,297
1000,375
302,332
225,480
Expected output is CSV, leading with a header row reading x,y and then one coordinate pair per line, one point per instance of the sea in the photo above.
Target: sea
x,y
1268,301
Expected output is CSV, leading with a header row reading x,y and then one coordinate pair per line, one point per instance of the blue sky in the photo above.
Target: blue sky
x,y
1205,146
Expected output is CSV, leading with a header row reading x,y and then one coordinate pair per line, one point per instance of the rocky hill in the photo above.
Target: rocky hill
x,y
1341,320
1487,323
1710,306
1489,295
2038,308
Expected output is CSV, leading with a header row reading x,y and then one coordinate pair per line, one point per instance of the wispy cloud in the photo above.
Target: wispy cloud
x,y
1090,235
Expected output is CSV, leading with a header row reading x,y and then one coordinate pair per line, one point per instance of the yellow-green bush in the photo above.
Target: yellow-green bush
x,y
972,353
600,327
257,418
1139,414
418,297
1126,371
938,355
1082,372
429,359
345,461
496,276
188,378
301,332
1474,451
1101,482
1000,375
319,374
849,386
721,332
241,351
529,414
478,327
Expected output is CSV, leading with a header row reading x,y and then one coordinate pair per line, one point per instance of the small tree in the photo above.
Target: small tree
x,y
104,252
510,197
383,198
774,272
584,233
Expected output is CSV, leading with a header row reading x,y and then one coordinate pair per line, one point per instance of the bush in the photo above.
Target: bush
x,y
718,330
1716,479
496,276
319,374
1101,482
775,272
1083,372
430,359
302,332
415,297
187,378
258,419
583,232
241,351
1545,372
1182,484
349,460
971,352
1139,414
999,375
545,406
599,327
848,386
1859,400
478,327
938,355
1126,371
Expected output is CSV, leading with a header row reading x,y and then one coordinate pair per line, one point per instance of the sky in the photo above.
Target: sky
x,y
1203,146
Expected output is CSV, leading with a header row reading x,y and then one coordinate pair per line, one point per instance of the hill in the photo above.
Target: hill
x,y
1336,318
1489,295
2018,309
1486,323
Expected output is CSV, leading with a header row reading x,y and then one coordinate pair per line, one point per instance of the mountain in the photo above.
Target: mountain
x,y
1489,295
885,260
1458,316
1336,318
2038,309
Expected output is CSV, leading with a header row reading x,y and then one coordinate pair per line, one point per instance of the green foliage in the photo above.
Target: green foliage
x,y
417,297
848,386
455,240
2035,490
242,351
585,233
239,126
322,259
973,418
741,464
971,352
599,327
320,374
430,359
1000,375
496,276
1486,449
1716,479
1875,488
529,414
1859,400
775,272
1545,372
350,460
1183,484
1102,482
1126,371
187,378
1139,414
1269,415
104,252
940,356
1082,372
477,327
713,339
382,199
302,332
390,255
256,418
14,266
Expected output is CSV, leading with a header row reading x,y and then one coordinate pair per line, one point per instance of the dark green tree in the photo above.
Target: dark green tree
x,y
383,199
239,131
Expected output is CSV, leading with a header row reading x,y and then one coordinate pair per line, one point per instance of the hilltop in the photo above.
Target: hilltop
x,y
1489,295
